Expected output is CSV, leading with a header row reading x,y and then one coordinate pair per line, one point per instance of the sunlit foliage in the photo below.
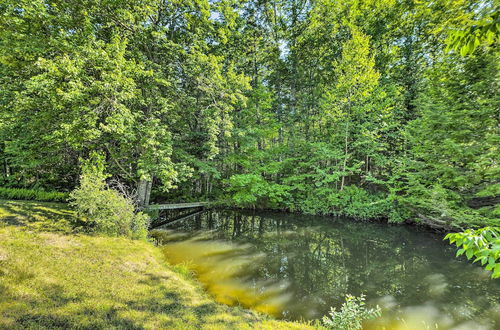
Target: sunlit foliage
x,y
102,209
482,244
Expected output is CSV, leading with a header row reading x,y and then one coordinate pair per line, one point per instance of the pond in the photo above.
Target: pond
x,y
297,266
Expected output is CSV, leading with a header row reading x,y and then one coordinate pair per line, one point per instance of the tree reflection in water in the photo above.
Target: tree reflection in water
x,y
297,266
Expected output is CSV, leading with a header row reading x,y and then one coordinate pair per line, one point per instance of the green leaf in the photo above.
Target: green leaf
x,y
496,271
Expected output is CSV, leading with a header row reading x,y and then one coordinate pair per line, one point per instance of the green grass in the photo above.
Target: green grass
x,y
53,278
38,216
32,194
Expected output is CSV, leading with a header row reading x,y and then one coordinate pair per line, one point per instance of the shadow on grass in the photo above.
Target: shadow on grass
x,y
45,216
106,320
174,304
171,303
12,221
27,312
82,283
205,310
153,279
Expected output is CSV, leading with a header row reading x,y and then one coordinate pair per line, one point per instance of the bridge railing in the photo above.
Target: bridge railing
x,y
176,206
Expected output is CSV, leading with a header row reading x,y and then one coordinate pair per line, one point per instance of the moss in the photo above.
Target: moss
x,y
52,279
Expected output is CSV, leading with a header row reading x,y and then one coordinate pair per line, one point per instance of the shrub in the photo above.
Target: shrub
x,y
352,202
105,210
351,315
32,194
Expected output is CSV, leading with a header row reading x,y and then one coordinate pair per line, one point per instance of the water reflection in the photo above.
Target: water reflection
x,y
296,267
227,270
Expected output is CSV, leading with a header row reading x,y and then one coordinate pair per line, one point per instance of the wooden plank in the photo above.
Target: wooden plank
x,y
176,206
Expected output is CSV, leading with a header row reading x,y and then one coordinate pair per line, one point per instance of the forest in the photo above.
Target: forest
x,y
373,110
356,108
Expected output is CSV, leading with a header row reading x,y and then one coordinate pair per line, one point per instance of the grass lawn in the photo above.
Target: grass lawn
x,y
51,277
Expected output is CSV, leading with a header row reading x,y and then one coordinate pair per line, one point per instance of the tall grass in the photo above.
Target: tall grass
x,y
32,194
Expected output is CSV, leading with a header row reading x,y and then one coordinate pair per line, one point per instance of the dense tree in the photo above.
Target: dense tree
x,y
454,142
133,79
350,107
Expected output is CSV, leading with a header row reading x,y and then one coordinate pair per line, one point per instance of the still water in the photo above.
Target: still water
x,y
297,266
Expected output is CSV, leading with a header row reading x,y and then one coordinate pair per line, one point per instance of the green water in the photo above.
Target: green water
x,y
296,267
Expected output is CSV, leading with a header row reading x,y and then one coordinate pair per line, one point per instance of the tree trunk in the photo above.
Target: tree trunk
x,y
6,169
346,150
148,192
143,192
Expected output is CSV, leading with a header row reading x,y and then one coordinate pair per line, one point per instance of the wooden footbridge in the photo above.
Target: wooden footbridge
x,y
176,206
166,220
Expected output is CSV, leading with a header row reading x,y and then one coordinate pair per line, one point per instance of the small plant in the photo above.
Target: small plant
x,y
351,315
105,210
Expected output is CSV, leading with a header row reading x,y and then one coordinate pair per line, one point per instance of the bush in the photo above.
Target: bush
x,y
351,315
359,203
105,210
31,194
352,202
